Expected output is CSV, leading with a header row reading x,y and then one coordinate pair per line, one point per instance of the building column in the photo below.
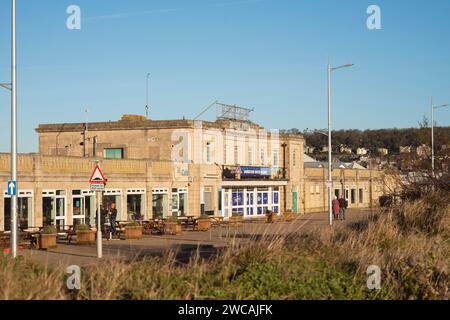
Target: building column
x,y
149,204
69,207
270,198
245,202
2,213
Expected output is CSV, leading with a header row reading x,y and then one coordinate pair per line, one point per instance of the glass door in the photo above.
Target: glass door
x,y
294,202
49,211
79,216
61,219
175,203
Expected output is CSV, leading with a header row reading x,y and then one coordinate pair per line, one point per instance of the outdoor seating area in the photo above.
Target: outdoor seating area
x,y
29,238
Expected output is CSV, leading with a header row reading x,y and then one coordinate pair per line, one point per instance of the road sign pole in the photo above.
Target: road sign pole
x,y
13,132
99,228
98,182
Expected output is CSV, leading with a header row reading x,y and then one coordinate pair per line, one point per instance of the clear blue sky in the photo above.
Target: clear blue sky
x,y
267,54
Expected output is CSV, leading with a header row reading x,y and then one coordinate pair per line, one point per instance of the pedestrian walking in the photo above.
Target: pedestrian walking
x,y
343,205
112,218
335,205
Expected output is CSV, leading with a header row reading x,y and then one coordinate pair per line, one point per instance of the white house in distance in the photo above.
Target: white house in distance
x,y
362,151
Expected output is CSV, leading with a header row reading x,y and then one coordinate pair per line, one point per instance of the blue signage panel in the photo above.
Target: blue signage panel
x,y
255,172
12,188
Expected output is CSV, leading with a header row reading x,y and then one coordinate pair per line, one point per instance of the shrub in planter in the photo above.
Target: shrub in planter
x,y
270,216
236,220
133,231
289,216
85,236
47,238
172,226
204,223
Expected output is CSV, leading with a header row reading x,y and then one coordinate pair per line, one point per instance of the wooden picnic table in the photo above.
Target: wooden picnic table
x,y
188,221
154,225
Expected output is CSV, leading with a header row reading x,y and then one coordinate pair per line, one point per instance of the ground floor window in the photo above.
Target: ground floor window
x,y
78,208
353,196
113,198
347,193
276,200
237,198
337,193
180,202
136,204
54,208
160,203
208,199
251,202
24,210
90,209
262,201
361,195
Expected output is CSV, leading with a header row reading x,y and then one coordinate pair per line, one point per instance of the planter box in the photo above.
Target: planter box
x,y
270,218
236,221
203,225
289,217
47,241
172,228
133,233
86,238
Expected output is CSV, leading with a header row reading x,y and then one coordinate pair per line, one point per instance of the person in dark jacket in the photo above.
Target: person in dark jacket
x,y
112,218
343,205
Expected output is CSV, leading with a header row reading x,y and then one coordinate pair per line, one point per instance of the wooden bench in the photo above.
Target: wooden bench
x,y
66,233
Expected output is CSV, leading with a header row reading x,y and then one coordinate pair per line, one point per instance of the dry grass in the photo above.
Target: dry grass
x,y
410,243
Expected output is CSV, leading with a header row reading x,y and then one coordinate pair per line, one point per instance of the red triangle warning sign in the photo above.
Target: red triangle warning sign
x,y
98,176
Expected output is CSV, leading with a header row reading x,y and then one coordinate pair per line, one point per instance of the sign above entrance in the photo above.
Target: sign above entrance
x,y
97,176
255,172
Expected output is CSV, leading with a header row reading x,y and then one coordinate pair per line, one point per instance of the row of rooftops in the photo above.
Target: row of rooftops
x,y
310,162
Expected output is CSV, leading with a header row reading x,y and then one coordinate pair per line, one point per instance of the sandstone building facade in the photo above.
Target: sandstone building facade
x,y
157,169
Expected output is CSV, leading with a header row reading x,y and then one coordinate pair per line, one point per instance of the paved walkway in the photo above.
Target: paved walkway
x,y
184,245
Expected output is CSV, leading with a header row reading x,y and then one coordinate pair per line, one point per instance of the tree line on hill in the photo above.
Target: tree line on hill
x,y
372,140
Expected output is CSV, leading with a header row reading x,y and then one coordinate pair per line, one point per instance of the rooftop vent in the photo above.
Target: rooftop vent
x,y
133,117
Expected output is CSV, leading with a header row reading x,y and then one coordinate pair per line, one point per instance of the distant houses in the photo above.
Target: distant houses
x,y
362,151
405,149
423,151
309,150
345,149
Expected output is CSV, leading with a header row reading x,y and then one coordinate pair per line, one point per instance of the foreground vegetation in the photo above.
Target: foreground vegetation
x,y
409,242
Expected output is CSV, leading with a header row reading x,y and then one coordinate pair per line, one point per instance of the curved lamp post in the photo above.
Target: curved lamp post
x,y
433,108
330,175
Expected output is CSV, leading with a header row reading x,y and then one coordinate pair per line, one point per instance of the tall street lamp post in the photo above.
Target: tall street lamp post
x,y
330,174
13,132
433,108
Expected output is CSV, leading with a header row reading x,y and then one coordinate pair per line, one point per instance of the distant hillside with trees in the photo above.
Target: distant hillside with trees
x,y
391,139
